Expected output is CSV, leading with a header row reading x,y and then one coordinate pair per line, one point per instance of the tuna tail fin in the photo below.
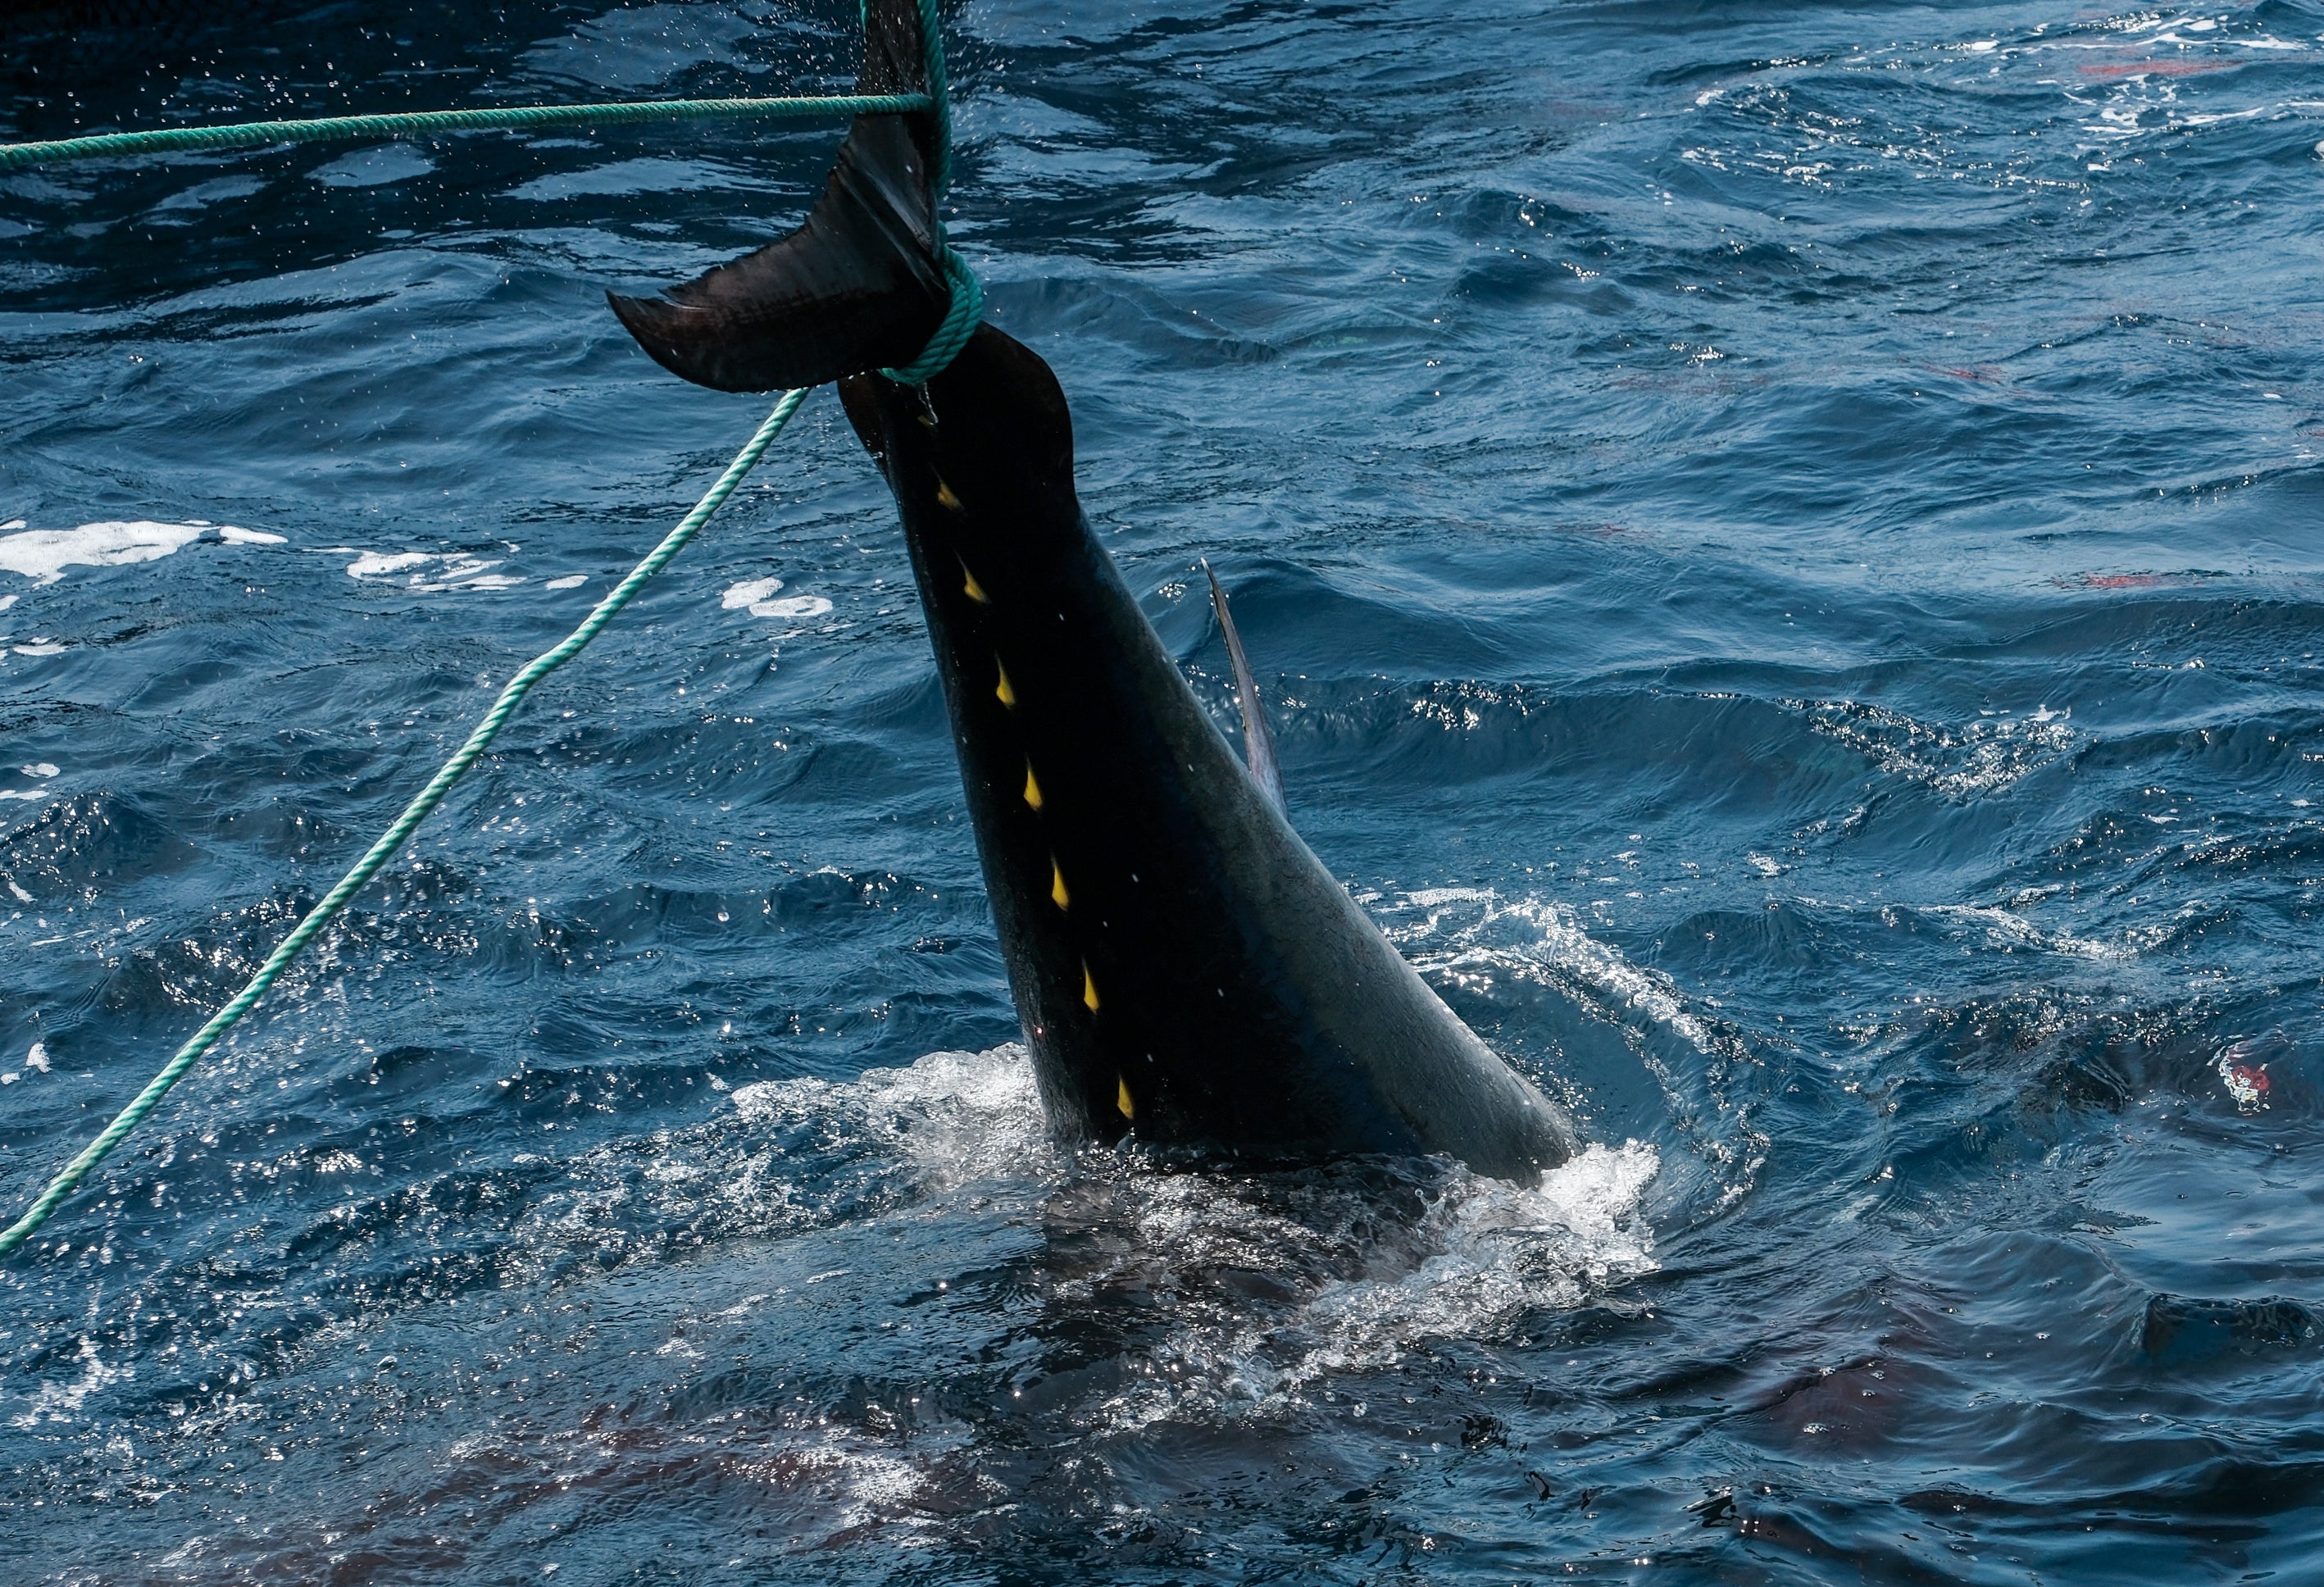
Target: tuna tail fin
x,y
859,286
1257,737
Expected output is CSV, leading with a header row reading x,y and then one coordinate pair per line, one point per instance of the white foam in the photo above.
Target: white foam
x,y
1489,1253
2247,1085
38,1058
44,769
1430,898
1484,1255
1505,1251
1357,1283
953,1117
1558,943
756,594
60,1402
571,581
432,572
2009,929
747,592
1960,762
792,606
44,554
372,564
782,1157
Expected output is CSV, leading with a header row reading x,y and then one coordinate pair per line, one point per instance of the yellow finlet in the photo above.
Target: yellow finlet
x,y
1057,893
974,590
1007,696
1089,988
945,498
1122,1099
1032,789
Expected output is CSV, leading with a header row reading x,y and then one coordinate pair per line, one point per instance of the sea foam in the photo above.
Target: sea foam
x,y
42,555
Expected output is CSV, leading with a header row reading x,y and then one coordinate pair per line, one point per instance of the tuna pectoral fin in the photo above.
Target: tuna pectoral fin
x,y
1257,738
858,287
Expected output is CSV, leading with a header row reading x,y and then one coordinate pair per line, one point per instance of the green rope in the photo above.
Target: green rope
x,y
962,316
259,134
322,914
959,322
966,309
952,334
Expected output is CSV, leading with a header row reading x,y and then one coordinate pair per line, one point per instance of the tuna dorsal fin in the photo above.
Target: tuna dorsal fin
x,y
1257,738
858,287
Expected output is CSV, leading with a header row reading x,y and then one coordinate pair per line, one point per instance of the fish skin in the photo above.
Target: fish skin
x,y
1243,999
1185,968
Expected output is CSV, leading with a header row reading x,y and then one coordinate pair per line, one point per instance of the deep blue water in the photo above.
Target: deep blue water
x,y
1784,546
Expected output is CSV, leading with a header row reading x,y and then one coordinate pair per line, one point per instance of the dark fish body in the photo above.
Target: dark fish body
x,y
1185,969
1183,966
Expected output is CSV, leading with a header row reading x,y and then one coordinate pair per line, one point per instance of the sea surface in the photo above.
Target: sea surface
x,y
1784,544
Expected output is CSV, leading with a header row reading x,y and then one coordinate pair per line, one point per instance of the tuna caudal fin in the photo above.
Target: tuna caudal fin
x,y
1257,738
858,287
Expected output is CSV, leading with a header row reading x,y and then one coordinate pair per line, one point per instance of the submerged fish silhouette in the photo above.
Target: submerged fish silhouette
x,y
1183,966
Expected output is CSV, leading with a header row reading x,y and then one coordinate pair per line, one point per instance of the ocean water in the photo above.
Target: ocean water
x,y
1783,543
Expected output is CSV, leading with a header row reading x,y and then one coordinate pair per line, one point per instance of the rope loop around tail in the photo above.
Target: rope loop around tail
x,y
967,308
960,323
